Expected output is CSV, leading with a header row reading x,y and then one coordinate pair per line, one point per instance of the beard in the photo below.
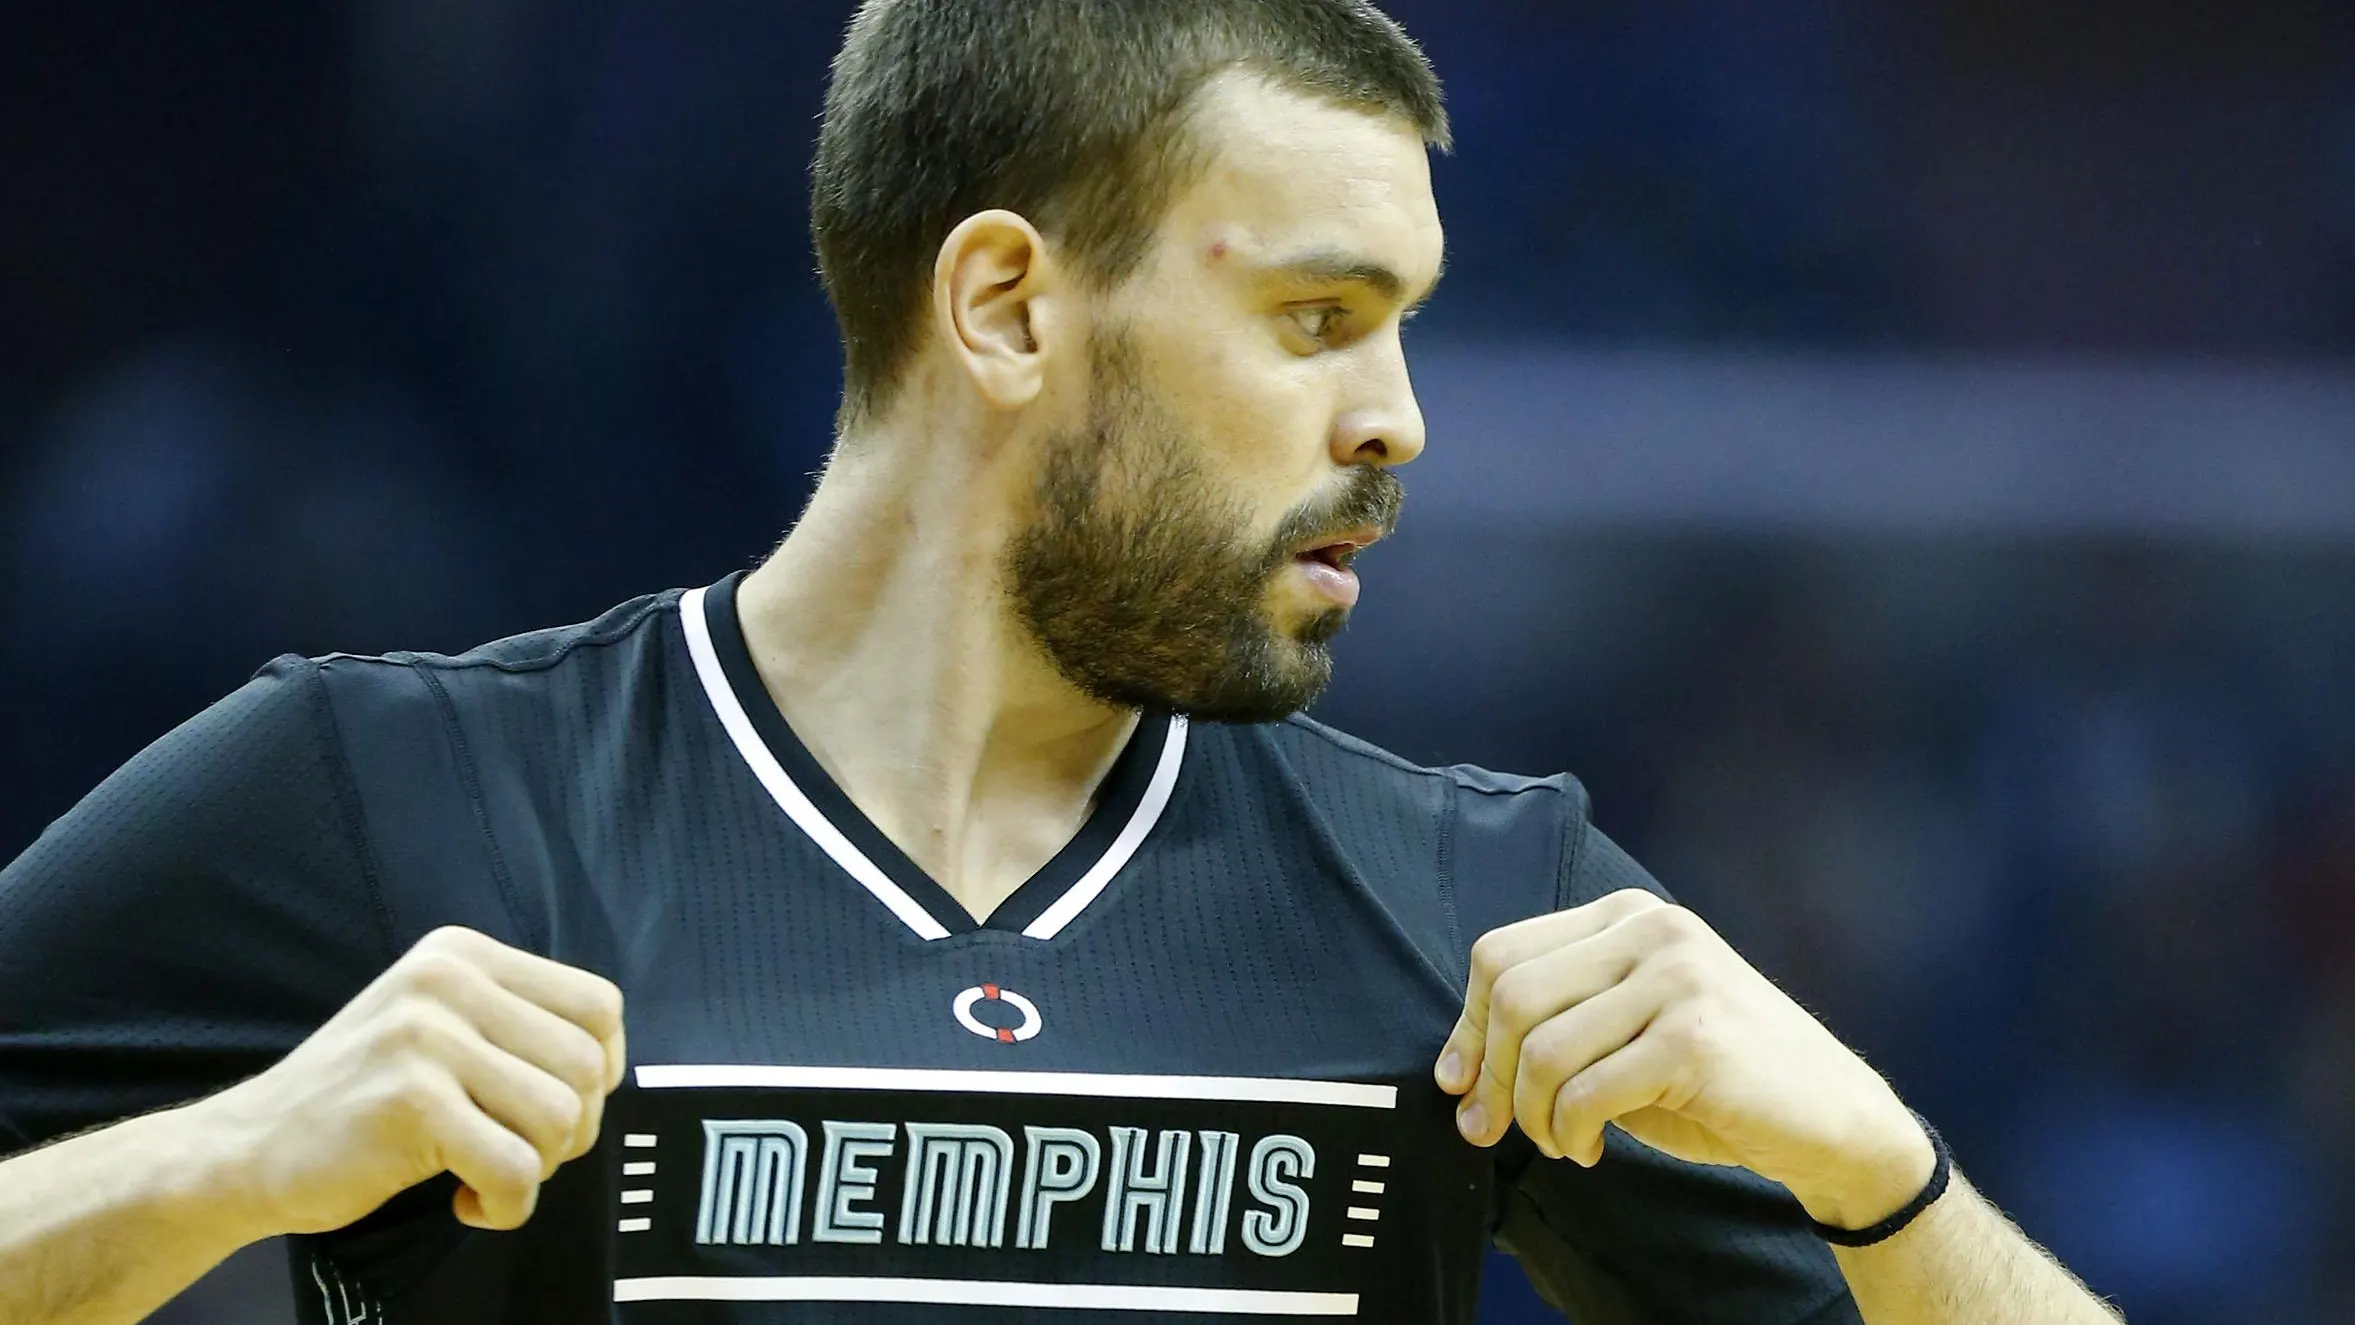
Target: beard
x,y
1140,577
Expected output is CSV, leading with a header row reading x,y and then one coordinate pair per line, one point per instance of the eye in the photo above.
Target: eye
x,y
1317,321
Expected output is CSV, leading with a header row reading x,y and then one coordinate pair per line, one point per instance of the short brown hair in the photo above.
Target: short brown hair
x,y
1069,112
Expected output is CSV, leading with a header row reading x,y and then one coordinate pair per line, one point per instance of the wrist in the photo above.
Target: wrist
x,y
212,1179
1876,1180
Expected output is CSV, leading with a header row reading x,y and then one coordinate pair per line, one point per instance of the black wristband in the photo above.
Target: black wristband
x,y
1888,1228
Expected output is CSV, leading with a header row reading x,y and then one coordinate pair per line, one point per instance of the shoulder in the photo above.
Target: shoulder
x,y
1537,826
545,670
464,765
1469,846
1342,752
634,622
1475,800
541,653
190,918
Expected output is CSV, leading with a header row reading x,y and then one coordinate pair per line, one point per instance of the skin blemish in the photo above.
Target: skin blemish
x,y
1218,249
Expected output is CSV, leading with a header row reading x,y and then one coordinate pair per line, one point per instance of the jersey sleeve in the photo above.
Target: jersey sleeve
x,y
1644,1237
191,920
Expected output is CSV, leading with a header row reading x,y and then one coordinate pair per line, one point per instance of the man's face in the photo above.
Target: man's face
x,y
1246,396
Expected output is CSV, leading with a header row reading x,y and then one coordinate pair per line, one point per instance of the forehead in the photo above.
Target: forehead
x,y
1290,172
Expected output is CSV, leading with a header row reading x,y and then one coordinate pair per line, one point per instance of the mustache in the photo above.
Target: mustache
x,y
1371,495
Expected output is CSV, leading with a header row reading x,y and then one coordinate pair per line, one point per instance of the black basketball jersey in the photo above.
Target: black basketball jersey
x,y
1182,1074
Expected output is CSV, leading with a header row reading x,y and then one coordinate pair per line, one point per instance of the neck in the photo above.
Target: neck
x,y
883,630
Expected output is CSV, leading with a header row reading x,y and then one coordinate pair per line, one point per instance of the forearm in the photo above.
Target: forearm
x,y
1962,1261
107,1226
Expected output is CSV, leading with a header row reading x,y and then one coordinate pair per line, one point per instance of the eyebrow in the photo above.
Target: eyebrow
x,y
1335,265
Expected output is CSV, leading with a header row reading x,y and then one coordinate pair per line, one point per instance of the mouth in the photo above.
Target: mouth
x,y
1338,550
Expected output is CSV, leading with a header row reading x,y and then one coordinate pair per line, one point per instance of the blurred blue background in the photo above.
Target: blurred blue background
x,y
1901,457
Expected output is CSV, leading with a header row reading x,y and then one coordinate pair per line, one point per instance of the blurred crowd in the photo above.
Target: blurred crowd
x,y
411,323
2060,834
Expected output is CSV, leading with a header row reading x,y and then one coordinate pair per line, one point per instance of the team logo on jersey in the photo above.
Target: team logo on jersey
x,y
959,1179
979,994
1022,1185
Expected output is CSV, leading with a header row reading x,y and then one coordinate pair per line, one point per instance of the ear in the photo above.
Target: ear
x,y
996,300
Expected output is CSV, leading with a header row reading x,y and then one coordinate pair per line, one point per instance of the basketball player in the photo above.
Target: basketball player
x,y
995,943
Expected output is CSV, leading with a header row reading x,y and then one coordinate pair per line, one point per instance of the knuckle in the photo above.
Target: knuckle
x,y
1489,956
1683,922
416,1028
437,971
450,940
616,1047
407,1100
580,1064
1530,1067
1573,1096
1629,902
609,1006
1518,1001
1532,1103
1568,1112
1683,972
1536,1117
1542,1052
557,1114
513,1175
421,1103
585,1136
1689,1037
523,1177
570,1110
1664,925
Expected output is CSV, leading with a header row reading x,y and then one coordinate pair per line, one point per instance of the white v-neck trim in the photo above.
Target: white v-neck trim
x,y
1050,922
854,862
772,775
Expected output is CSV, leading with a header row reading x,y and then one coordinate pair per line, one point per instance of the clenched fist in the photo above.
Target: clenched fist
x,y
1631,1010
465,1056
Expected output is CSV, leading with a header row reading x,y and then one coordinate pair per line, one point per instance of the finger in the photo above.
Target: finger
x,y
1649,1071
1570,1043
548,1042
1502,949
584,998
499,1169
522,1097
1525,998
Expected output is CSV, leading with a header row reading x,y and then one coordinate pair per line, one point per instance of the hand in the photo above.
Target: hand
x,y
1631,1010
466,1056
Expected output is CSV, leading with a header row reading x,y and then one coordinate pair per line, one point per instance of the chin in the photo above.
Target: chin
x,y
1277,678
1318,629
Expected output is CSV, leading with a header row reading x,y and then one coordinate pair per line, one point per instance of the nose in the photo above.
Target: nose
x,y
1386,428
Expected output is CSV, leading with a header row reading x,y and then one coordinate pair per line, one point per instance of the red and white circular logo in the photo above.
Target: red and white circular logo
x,y
997,994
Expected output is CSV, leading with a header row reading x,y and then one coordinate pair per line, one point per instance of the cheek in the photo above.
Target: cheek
x,y
1260,413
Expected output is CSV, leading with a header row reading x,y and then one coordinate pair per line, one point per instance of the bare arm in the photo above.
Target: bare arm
x,y
1632,1011
466,1056
1961,1260
107,1226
